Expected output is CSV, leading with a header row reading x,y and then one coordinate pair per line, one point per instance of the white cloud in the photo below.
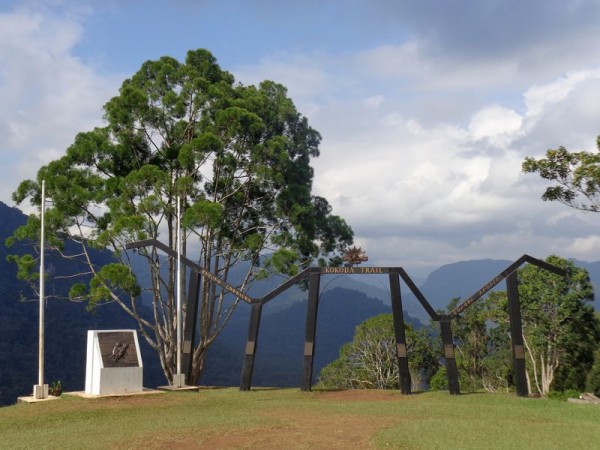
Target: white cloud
x,y
587,248
540,97
48,95
375,101
495,123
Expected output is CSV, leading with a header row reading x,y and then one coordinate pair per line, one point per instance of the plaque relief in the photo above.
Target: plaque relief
x,y
118,349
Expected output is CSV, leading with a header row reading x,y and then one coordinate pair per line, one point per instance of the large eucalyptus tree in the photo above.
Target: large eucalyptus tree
x,y
238,157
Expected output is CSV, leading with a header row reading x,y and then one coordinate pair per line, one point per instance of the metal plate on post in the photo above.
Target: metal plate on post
x,y
519,352
449,351
308,348
250,345
401,350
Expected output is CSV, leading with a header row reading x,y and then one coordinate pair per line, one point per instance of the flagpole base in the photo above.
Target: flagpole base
x,y
179,380
40,391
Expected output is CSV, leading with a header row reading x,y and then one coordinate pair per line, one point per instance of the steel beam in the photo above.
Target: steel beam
x,y
448,343
516,335
400,334
251,345
311,330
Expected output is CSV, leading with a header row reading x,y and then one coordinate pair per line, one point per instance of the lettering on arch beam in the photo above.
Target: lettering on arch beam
x,y
354,270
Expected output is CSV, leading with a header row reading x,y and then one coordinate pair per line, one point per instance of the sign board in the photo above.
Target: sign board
x,y
114,362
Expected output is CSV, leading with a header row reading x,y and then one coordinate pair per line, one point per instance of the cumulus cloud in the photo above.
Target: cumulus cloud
x,y
496,124
453,189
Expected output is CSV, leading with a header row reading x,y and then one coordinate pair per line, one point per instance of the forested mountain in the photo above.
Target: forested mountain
x,y
281,340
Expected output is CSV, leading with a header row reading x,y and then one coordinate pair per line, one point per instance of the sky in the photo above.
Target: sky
x,y
427,108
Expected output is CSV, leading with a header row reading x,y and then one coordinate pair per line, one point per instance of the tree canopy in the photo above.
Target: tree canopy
x,y
577,177
237,156
370,360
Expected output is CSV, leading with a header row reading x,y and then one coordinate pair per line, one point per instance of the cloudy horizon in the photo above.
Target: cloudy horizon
x,y
427,109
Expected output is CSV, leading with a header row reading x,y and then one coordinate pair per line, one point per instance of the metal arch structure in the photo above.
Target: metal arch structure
x,y
395,273
313,275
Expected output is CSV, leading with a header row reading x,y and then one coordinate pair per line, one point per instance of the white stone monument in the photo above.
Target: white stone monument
x,y
114,363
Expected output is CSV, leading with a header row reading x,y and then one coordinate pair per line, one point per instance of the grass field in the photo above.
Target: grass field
x,y
289,418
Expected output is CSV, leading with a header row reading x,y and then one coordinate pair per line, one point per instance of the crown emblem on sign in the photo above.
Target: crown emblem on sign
x,y
355,256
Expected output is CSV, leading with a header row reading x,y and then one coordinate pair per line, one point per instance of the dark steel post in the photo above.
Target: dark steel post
x,y
311,330
397,312
189,326
448,343
516,335
251,345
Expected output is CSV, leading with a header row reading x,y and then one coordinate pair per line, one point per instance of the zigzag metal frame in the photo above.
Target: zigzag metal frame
x,y
314,273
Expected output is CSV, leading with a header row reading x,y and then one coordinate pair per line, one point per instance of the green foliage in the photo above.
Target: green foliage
x,y
593,378
482,348
563,395
238,157
55,388
370,361
577,175
26,266
439,380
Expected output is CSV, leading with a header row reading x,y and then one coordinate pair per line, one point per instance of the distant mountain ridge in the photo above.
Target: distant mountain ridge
x,y
345,302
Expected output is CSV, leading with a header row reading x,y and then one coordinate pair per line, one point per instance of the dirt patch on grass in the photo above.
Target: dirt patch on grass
x,y
360,395
302,429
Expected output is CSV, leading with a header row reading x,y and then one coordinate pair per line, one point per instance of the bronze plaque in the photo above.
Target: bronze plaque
x,y
118,349
250,345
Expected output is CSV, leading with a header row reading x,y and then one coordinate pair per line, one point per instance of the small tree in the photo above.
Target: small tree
x,y
237,156
481,347
370,362
577,177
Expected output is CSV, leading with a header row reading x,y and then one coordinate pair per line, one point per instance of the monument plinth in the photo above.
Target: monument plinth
x,y
114,363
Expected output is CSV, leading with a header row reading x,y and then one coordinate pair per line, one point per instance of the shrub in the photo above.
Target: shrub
x,y
563,395
593,378
439,381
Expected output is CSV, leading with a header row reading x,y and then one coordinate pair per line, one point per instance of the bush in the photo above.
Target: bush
x,y
563,395
593,378
55,388
439,381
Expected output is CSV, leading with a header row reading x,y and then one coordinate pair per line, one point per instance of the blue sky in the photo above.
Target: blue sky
x,y
427,108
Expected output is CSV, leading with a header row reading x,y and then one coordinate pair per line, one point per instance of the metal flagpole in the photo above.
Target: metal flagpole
x,y
179,382
40,391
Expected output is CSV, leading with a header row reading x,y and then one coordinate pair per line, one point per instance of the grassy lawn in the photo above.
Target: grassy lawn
x,y
288,418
